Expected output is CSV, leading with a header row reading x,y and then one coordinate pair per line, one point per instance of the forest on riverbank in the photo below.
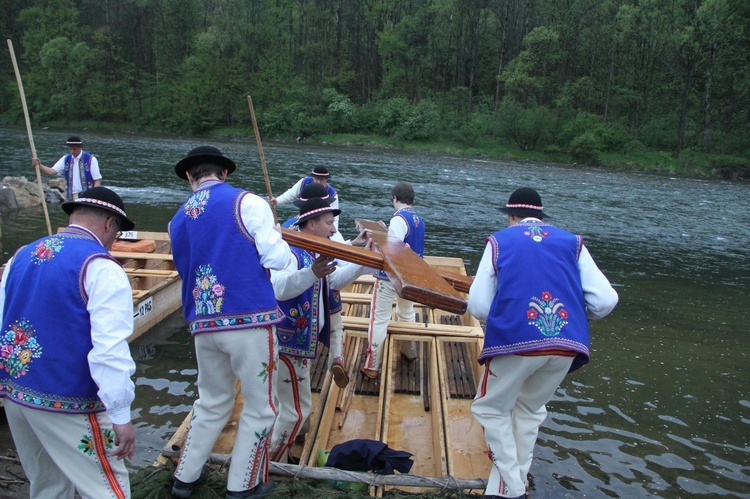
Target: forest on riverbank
x,y
636,84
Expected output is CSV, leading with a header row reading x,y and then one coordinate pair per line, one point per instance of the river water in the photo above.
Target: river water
x,y
662,410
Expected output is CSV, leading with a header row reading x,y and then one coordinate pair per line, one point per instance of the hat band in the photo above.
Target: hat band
x,y
318,210
314,197
101,203
321,174
528,206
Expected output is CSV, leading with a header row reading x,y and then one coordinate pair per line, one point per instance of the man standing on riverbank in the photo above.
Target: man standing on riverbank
x,y
536,287
65,375
319,175
80,168
224,241
303,290
408,227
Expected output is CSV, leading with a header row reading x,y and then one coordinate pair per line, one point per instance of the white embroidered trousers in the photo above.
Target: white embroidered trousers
x,y
510,406
65,453
381,311
295,403
250,356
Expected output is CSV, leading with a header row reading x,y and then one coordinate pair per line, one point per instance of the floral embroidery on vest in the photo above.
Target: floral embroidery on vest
x,y
547,314
299,317
18,347
208,292
537,234
196,203
46,250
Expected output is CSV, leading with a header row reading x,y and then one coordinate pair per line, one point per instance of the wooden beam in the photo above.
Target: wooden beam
x,y
371,259
127,255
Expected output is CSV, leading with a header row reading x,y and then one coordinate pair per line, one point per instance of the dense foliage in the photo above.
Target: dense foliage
x,y
576,77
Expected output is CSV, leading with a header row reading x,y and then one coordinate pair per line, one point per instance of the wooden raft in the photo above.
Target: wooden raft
x,y
422,406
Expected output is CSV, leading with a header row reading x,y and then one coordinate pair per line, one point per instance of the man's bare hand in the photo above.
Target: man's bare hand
x,y
323,266
362,238
124,440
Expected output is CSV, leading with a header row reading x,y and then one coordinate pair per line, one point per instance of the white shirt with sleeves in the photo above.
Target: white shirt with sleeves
x,y
76,187
257,217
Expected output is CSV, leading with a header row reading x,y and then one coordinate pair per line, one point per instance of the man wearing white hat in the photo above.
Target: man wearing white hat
x,y
536,287
80,168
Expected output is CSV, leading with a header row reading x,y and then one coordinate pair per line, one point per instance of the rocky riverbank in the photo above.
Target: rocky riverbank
x,y
20,192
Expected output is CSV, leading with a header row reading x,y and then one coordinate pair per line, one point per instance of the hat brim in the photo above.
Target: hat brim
x,y
69,206
181,168
336,212
524,212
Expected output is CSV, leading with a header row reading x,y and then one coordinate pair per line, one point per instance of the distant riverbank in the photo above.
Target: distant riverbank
x,y
689,164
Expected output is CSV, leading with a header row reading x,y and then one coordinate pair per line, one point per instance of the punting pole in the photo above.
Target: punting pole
x,y
262,158
31,137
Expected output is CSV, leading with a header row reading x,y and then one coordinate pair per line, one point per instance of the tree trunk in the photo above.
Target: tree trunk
x,y
683,109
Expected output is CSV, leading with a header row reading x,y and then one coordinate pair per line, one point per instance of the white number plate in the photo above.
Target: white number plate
x,y
144,308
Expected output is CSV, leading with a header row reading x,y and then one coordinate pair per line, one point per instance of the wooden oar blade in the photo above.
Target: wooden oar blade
x,y
457,281
412,277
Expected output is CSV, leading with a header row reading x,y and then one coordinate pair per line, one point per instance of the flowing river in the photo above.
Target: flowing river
x,y
662,410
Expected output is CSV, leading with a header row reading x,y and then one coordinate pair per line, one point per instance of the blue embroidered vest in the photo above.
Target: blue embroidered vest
x,y
84,172
309,180
224,285
414,235
299,331
46,330
539,300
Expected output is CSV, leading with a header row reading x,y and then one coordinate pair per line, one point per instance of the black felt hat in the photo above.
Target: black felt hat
x,y
320,171
204,154
313,201
74,140
101,197
524,202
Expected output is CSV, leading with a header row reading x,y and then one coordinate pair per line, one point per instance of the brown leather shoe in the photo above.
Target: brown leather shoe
x,y
340,376
370,373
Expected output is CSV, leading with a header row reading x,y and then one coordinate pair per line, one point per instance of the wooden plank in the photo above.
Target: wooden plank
x,y
464,436
126,255
412,277
416,328
150,273
407,425
129,235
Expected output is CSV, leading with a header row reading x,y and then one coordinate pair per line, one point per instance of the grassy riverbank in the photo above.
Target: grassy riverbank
x,y
688,164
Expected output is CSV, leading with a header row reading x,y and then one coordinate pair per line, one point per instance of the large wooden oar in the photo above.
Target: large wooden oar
x,y
31,137
412,277
459,282
261,156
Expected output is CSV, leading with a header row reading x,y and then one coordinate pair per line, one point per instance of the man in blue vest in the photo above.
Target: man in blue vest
x,y
80,168
65,364
319,175
408,227
536,288
224,242
303,290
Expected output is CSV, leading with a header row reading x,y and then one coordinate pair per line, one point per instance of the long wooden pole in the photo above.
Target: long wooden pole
x,y
262,157
31,137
